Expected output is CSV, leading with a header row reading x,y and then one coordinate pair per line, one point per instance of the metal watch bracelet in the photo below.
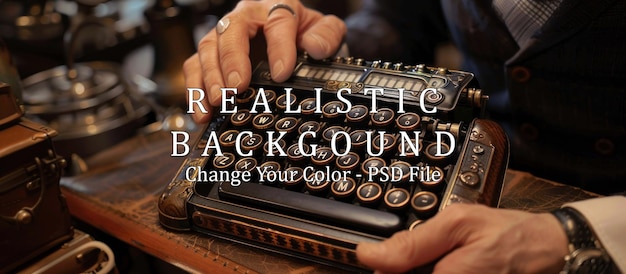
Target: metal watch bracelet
x,y
586,252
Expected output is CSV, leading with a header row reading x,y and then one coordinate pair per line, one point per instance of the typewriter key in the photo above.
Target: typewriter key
x,y
281,101
263,121
296,156
397,198
270,95
409,150
333,110
414,224
424,203
276,151
400,173
357,115
311,126
316,185
372,168
347,162
338,132
226,161
287,124
251,143
295,177
408,121
358,138
228,138
382,118
323,156
434,180
270,172
389,145
246,164
343,189
369,193
308,106
245,98
434,156
241,118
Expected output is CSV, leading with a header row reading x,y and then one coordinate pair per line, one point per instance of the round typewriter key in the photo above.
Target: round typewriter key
x,y
281,101
415,224
276,151
348,162
270,95
227,138
369,193
408,121
295,176
245,97
372,168
329,132
382,118
226,161
343,189
358,138
432,178
311,126
246,164
287,124
295,155
241,118
323,156
430,153
263,121
410,149
315,184
400,172
357,115
251,142
396,198
388,142
424,203
269,172
332,110
308,106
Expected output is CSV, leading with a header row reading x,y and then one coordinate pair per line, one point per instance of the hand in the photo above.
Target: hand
x,y
223,59
474,239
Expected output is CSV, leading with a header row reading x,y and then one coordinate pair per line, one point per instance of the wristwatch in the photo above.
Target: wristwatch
x,y
586,252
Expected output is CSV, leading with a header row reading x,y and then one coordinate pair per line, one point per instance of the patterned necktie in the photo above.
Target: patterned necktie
x,y
524,17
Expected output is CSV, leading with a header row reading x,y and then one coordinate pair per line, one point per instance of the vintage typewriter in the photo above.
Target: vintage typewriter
x,y
366,149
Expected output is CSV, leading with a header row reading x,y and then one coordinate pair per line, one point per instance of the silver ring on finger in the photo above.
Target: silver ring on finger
x,y
222,25
281,6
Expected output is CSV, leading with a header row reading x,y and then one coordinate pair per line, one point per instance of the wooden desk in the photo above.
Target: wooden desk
x,y
118,195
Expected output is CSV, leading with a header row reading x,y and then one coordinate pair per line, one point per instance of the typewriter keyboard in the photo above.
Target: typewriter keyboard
x,y
313,166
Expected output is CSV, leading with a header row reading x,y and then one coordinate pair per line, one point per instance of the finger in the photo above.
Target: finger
x,y
234,45
322,37
210,66
408,249
280,32
193,79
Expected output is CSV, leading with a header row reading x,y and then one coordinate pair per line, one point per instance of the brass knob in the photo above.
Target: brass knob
x,y
24,217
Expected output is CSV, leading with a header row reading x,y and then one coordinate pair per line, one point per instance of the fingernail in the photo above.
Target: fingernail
x,y
322,43
234,79
278,68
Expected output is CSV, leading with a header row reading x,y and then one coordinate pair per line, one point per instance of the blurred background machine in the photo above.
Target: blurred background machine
x,y
98,71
